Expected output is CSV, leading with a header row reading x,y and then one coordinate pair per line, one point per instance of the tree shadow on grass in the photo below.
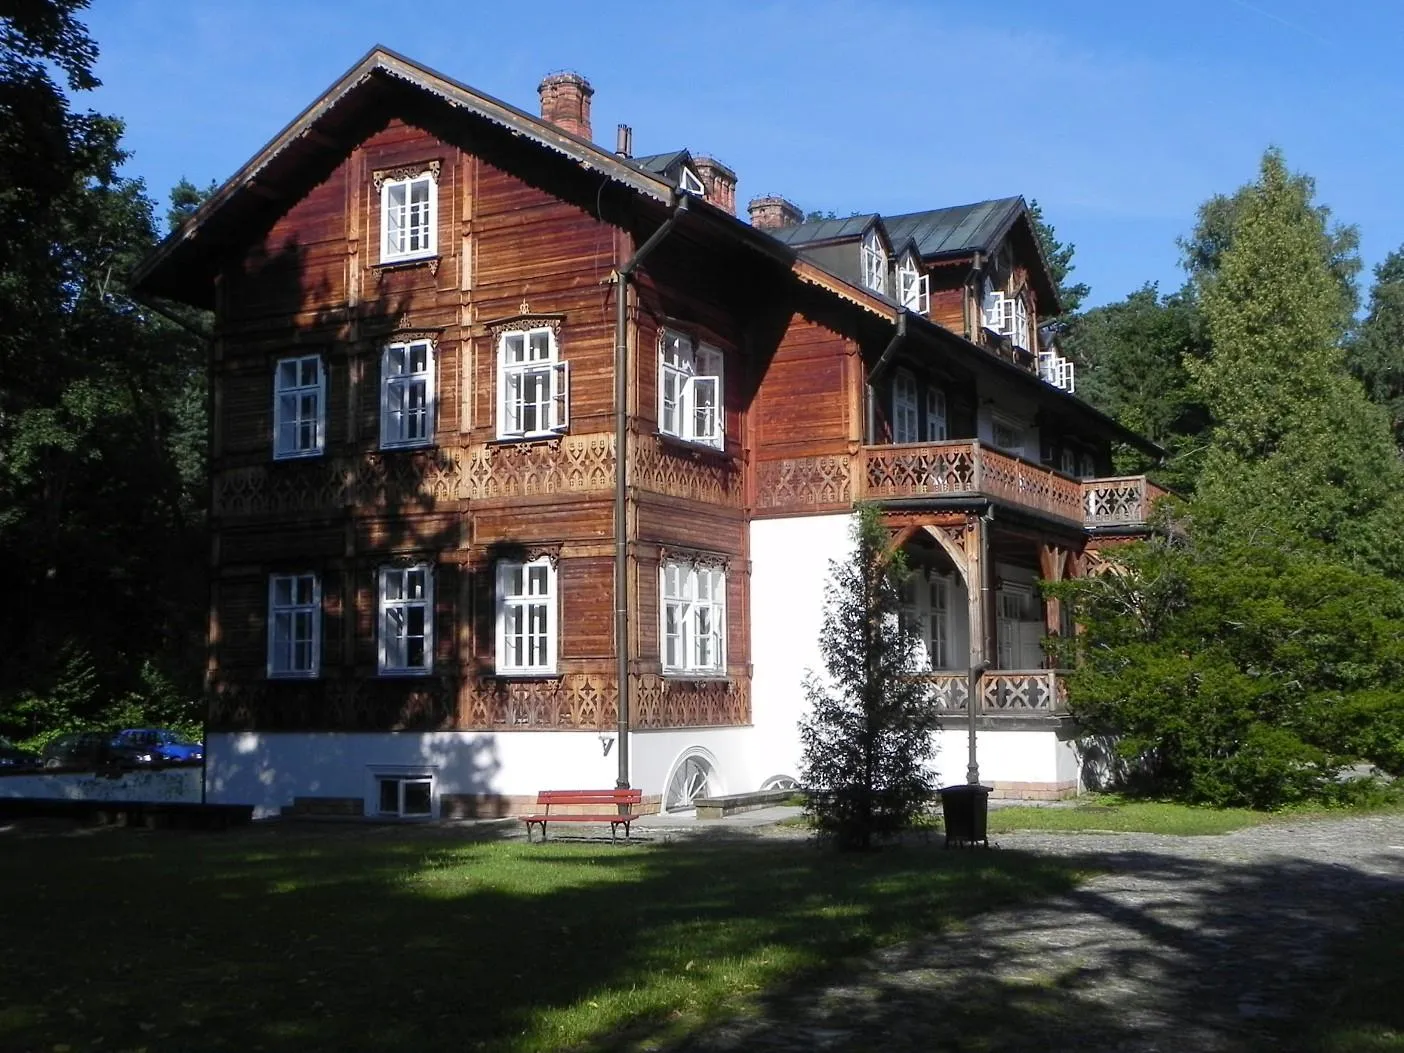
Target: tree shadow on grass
x,y
387,938
351,939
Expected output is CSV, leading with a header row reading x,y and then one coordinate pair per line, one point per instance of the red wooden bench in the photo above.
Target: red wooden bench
x,y
622,801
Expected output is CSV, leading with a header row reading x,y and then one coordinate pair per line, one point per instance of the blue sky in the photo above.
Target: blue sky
x,y
1119,117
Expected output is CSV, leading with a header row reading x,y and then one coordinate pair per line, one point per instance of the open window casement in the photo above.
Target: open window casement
x,y
936,428
534,386
706,403
874,260
913,287
690,390
992,308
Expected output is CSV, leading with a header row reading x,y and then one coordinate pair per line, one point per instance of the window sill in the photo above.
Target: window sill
x,y
398,674
681,445
398,263
526,674
315,675
536,436
300,455
687,676
418,444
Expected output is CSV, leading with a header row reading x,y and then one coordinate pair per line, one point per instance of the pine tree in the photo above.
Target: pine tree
x,y
1299,455
1376,356
868,740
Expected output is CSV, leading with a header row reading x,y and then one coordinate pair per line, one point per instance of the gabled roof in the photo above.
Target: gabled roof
x,y
959,230
176,267
657,164
814,231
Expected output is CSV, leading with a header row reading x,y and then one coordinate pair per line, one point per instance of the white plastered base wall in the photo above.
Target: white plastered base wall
x,y
270,769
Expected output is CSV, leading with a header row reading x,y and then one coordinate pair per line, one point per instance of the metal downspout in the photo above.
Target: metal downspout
x,y
878,367
621,478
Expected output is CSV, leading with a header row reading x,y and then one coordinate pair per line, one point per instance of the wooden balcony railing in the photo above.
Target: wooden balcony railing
x,y
1012,692
966,467
1123,501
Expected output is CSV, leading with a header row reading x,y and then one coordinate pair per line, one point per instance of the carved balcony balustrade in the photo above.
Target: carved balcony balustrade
x,y
1000,692
968,468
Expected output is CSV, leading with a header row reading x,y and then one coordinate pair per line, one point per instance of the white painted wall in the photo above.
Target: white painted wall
x,y
165,785
789,572
655,755
269,769
1004,756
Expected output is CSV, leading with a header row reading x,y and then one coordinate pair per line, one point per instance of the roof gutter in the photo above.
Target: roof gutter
x,y
621,473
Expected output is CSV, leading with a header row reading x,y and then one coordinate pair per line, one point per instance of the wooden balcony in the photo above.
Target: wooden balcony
x,y
1003,692
968,468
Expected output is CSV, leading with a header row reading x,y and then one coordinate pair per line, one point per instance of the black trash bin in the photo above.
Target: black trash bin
x,y
966,810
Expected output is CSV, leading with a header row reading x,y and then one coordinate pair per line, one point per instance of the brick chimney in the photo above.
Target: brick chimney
x,y
565,102
719,180
772,213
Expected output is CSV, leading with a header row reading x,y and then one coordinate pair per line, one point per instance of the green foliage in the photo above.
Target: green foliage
x,y
101,400
186,197
1299,455
1376,355
1058,255
1131,359
868,740
1337,244
1237,676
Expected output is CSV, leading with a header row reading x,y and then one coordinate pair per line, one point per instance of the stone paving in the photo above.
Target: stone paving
x,y
1179,944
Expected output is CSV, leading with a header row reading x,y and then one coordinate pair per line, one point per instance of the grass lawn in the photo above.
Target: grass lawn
x,y
1156,817
1365,1013
387,938
1110,812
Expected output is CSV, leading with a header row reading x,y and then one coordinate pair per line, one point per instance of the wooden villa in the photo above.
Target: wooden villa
x,y
471,370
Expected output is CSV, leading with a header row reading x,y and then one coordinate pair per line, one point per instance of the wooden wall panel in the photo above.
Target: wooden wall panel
x,y
586,607
802,402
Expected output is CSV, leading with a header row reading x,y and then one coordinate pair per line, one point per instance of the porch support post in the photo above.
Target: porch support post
x,y
1052,562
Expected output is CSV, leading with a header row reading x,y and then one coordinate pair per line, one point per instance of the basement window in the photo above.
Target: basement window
x,y
405,796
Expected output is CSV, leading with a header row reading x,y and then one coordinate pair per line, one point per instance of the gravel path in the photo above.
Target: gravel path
x,y
1180,944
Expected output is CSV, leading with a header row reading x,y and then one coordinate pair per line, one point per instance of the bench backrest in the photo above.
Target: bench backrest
x,y
587,797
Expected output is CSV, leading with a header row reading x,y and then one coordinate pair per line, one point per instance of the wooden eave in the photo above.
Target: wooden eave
x,y
978,359
179,268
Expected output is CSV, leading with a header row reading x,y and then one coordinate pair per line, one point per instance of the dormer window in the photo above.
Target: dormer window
x,y
874,262
1007,315
913,287
409,211
1057,370
691,182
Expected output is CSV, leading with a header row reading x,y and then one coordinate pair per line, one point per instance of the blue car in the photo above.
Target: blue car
x,y
164,745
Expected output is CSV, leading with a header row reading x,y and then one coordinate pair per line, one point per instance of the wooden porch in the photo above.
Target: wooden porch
x,y
968,468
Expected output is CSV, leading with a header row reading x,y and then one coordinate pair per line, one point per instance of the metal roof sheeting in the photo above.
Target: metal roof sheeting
x,y
956,231
823,229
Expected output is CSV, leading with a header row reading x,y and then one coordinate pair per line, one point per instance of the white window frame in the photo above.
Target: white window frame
x,y
291,416
691,390
397,246
1014,428
532,382
937,423
401,779
692,619
906,422
286,616
538,629
913,287
407,395
1014,320
873,256
691,182
393,617
992,308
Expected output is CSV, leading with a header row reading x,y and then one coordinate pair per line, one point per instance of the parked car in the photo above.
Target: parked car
x,y
164,745
94,749
12,758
